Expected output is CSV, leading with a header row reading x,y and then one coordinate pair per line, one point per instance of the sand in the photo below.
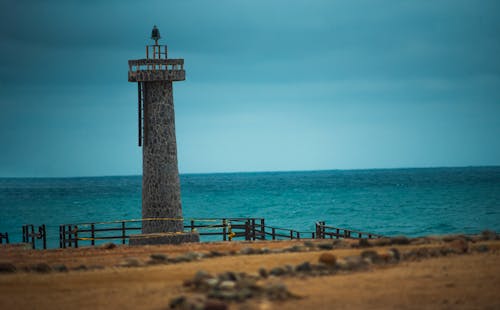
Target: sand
x,y
470,281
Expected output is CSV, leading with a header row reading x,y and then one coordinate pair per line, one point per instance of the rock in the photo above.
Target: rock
x,y
304,267
227,285
7,267
325,246
214,304
294,249
400,240
277,291
247,251
449,238
459,245
108,246
395,255
41,267
60,268
371,256
363,243
482,248
340,243
159,257
216,254
228,276
327,259
80,268
351,263
265,251
419,241
263,273
95,267
488,235
130,262
200,278
309,244
382,241
188,303
277,271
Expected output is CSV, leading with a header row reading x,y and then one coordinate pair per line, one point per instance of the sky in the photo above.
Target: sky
x,y
270,85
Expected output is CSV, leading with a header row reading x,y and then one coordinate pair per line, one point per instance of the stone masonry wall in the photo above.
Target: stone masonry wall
x,y
161,197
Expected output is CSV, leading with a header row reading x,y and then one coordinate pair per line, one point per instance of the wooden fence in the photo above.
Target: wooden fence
x,y
323,231
4,236
29,235
224,229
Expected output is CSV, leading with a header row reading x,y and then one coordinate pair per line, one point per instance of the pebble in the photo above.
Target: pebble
x,y
108,246
6,267
327,259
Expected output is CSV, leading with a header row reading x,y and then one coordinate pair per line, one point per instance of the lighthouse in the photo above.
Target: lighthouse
x,y
162,220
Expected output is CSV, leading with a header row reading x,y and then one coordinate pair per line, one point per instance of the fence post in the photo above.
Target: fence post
x,y
274,233
32,236
63,239
291,234
7,238
123,232
192,225
92,234
224,230
313,235
44,236
262,229
247,230
253,229
76,236
24,234
298,235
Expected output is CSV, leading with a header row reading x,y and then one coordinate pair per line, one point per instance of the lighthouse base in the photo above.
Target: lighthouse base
x,y
164,238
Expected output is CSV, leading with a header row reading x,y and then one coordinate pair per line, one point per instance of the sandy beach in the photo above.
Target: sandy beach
x,y
467,280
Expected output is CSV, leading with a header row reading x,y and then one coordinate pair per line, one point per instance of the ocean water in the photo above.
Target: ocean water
x,y
411,202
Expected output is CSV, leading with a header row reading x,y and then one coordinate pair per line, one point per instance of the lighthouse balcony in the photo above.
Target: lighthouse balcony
x,y
145,70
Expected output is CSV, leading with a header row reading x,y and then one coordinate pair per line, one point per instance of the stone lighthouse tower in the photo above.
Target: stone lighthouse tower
x,y
161,195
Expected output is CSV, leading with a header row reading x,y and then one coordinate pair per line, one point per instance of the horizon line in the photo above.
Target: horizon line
x,y
243,172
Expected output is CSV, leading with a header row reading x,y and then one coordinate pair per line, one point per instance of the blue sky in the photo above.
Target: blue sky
x,y
271,85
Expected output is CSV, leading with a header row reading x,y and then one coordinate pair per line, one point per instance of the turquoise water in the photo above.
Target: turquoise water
x,y
388,201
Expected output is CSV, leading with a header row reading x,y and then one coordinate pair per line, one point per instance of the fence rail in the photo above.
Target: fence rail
x,y
323,231
75,235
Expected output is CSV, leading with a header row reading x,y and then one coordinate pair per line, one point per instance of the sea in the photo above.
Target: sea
x,y
412,202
